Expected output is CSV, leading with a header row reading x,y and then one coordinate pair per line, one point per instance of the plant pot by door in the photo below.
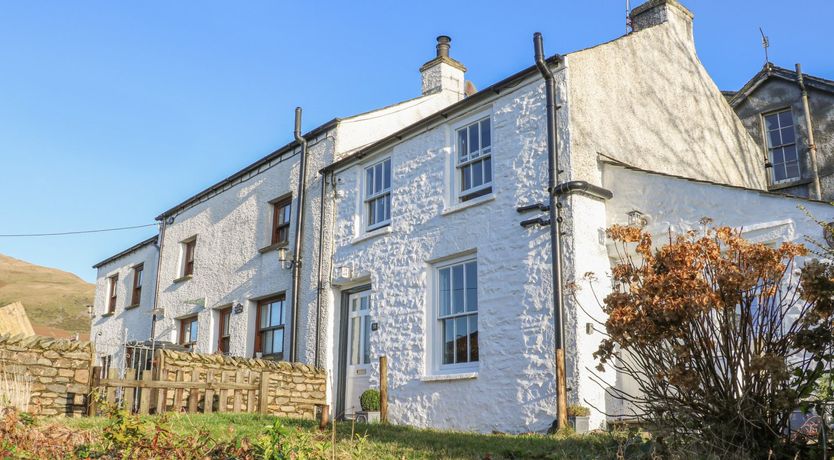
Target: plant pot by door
x,y
579,424
367,416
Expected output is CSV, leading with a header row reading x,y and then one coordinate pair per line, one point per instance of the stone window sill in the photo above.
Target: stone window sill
x,y
107,315
784,185
183,279
449,377
131,307
372,234
468,204
272,247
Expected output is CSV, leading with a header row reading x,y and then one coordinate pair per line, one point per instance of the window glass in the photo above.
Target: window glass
x,y
458,313
781,140
474,159
378,194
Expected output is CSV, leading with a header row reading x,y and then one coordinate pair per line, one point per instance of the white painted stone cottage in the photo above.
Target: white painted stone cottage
x,y
412,246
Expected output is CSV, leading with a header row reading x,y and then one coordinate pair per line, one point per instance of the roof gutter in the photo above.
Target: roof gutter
x,y
299,229
424,123
568,188
812,146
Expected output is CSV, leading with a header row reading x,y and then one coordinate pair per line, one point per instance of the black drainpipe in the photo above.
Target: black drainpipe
x,y
299,229
555,230
554,220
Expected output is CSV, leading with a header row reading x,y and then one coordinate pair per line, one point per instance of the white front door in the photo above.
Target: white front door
x,y
357,375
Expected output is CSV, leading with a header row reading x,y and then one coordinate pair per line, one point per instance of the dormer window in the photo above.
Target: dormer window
x,y
781,145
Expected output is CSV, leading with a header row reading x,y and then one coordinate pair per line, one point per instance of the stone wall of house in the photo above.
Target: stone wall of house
x,y
295,390
57,370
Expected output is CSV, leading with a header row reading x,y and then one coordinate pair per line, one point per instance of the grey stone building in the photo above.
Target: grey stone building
x,y
772,109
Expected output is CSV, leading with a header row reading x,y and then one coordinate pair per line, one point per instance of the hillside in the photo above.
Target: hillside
x,y
55,301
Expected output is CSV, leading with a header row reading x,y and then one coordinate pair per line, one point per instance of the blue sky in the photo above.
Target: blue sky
x,y
111,112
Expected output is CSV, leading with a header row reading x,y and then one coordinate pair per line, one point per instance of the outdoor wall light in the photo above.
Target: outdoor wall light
x,y
90,312
637,219
158,312
286,261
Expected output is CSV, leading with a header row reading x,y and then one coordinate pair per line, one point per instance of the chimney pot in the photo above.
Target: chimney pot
x,y
443,46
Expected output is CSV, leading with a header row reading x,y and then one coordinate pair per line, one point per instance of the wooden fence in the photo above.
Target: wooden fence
x,y
220,392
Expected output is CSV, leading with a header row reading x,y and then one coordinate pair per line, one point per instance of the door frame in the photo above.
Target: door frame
x,y
344,319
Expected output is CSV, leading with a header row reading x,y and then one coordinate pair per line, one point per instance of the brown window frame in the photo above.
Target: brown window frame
x,y
189,250
260,331
136,292
192,340
225,320
112,295
280,226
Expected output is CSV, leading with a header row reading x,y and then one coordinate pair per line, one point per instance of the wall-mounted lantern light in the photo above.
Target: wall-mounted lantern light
x,y
287,262
637,219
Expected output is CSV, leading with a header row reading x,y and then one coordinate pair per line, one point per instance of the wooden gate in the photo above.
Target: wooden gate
x,y
221,392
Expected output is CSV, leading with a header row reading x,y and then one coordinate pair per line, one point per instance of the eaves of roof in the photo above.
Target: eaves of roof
x,y
614,162
470,101
127,251
252,167
773,71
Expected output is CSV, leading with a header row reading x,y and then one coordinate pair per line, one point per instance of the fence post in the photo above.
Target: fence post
x,y
324,416
383,389
263,393
193,392
92,399
145,394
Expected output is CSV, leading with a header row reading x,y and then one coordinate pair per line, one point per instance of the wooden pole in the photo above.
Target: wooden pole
x,y
324,417
561,389
263,393
92,400
383,389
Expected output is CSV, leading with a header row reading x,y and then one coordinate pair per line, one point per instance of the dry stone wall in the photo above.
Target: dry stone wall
x,y
56,371
295,390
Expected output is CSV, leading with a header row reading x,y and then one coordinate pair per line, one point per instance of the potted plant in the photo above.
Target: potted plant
x,y
578,417
369,400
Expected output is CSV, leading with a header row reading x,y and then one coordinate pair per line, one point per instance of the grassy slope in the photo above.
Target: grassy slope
x,y
52,298
393,442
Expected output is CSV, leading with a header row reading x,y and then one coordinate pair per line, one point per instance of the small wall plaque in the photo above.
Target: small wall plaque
x,y
374,326
238,308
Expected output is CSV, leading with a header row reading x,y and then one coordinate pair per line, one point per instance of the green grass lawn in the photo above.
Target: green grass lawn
x,y
395,442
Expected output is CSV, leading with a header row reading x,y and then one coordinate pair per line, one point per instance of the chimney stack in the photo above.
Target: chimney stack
x,y
443,74
656,12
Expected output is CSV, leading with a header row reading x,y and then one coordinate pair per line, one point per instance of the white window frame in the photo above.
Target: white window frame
x,y
435,339
369,196
771,149
459,162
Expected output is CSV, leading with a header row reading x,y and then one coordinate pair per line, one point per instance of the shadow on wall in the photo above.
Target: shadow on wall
x,y
664,124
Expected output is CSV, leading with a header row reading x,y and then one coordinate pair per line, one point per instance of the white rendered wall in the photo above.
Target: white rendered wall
x,y
514,389
646,100
110,332
678,205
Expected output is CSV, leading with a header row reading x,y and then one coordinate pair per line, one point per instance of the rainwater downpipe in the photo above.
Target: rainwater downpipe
x,y
555,232
299,231
319,282
812,146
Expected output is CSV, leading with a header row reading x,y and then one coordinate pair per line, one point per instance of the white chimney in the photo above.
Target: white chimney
x,y
443,74
656,12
